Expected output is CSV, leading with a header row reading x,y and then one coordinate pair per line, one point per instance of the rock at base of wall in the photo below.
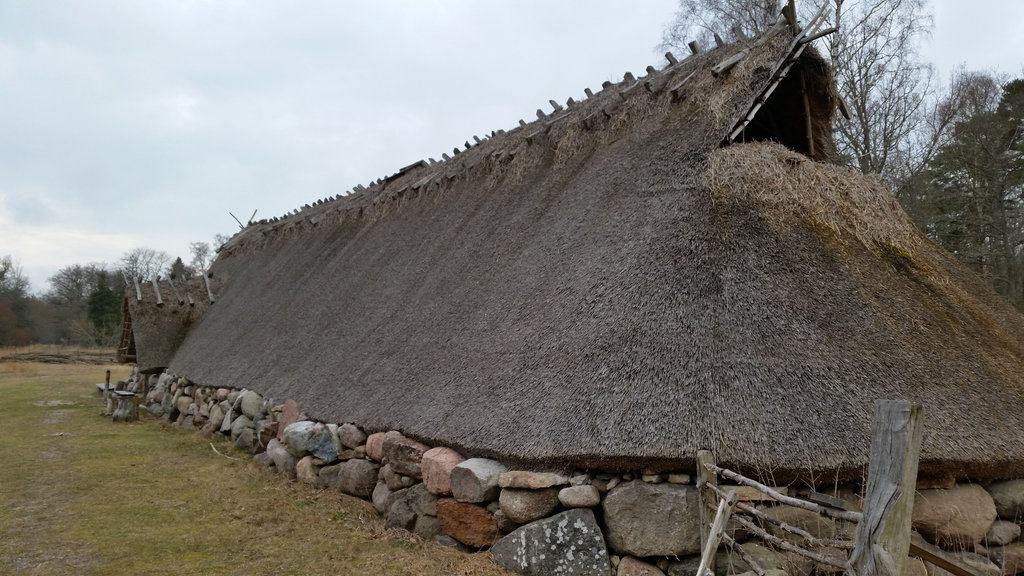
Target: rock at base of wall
x,y
404,454
583,496
1008,496
283,460
630,566
351,436
470,524
356,478
296,435
531,480
381,497
250,403
569,543
1002,533
959,517
321,444
437,466
652,519
524,506
411,508
476,480
375,446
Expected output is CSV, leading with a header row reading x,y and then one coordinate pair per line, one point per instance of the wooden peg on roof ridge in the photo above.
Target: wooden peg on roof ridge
x,y
522,123
588,92
477,139
446,157
718,40
540,114
671,59
570,102
557,107
628,77
606,84
695,47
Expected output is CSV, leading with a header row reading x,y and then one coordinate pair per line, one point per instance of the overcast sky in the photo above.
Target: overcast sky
x,y
133,123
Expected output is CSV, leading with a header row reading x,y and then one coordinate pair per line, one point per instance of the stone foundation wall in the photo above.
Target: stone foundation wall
x,y
561,522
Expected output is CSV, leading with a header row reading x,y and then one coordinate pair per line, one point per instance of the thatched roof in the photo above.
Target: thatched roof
x,y
607,287
157,316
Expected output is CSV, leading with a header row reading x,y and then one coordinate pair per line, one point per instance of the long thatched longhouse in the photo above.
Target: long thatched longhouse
x,y
671,264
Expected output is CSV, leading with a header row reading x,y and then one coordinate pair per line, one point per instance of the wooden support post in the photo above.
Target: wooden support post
x,y
789,11
706,496
209,292
883,535
809,122
174,289
707,559
156,290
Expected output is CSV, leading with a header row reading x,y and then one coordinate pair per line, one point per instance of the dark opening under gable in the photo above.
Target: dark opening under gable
x,y
796,109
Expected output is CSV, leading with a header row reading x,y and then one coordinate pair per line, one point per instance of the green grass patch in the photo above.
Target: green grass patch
x,y
85,495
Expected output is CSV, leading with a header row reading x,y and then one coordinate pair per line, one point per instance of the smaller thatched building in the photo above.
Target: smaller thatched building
x,y
157,316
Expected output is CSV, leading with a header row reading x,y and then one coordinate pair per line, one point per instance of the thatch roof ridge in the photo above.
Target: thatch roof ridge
x,y
615,106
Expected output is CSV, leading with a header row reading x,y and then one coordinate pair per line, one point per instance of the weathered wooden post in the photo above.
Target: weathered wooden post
x,y
883,535
707,501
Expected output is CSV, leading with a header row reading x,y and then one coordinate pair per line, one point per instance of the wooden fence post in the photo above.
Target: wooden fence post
x,y
706,499
883,535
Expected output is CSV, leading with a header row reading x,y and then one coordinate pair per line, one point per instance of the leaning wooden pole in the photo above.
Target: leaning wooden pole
x,y
883,535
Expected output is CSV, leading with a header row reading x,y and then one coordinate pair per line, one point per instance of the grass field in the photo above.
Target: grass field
x,y
81,494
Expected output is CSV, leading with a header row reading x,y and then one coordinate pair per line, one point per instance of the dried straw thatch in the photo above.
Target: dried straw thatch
x,y
605,287
156,326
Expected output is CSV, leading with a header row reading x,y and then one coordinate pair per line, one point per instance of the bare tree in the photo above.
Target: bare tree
x,y
874,54
144,263
883,81
201,256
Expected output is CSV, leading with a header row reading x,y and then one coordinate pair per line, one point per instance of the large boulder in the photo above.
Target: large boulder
x,y
652,519
476,480
956,518
523,506
296,435
470,524
569,544
437,466
404,454
356,478
250,403
1008,496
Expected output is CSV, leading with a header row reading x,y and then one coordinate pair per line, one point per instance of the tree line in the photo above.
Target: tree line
x,y
952,152
82,305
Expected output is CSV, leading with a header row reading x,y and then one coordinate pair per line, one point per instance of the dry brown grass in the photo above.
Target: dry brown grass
x,y
83,495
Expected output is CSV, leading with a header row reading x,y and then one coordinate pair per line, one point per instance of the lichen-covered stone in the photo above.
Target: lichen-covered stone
x,y
568,544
